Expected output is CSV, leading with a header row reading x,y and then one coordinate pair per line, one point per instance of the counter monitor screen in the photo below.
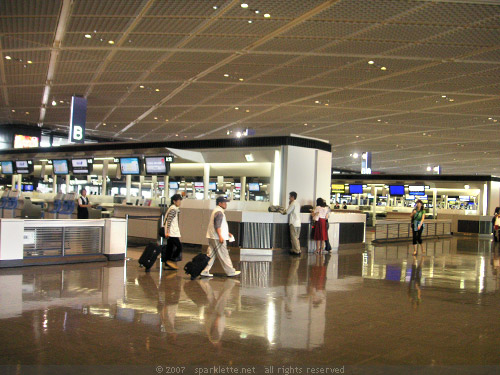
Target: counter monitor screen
x,y
338,188
355,189
60,167
156,165
7,167
212,186
416,190
24,166
173,185
80,166
253,186
27,188
237,185
397,190
198,185
130,166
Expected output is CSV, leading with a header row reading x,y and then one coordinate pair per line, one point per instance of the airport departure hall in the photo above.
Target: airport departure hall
x,y
250,187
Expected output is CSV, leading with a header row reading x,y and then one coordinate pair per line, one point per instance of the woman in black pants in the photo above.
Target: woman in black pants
x,y
417,221
173,250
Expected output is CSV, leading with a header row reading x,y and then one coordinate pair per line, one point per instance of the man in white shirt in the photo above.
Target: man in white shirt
x,y
293,213
218,234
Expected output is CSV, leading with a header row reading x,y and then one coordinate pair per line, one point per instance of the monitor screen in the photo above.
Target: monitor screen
x,y
25,141
24,166
156,165
237,185
198,185
464,198
7,167
60,166
81,166
338,188
416,190
397,190
253,186
212,186
173,185
130,166
27,188
355,189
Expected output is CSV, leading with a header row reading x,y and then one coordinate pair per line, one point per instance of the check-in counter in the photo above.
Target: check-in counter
x,y
251,229
476,224
25,242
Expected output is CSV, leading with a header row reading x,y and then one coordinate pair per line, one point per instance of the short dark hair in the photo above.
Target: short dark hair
x,y
320,202
175,197
293,194
81,191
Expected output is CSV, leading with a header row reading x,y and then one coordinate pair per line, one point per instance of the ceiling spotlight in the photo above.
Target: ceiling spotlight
x,y
305,124
111,42
226,75
241,79
157,90
141,86
8,58
177,135
249,157
236,108
317,102
166,120
383,68
452,100
244,5
156,118
250,21
267,15
466,186
238,134
215,7
355,155
357,136
371,62
228,132
429,169
257,11
247,110
443,96
27,113
104,124
30,62
88,36
13,110
54,103
326,104
490,118
61,101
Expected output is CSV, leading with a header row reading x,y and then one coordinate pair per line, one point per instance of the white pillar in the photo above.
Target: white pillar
x,y
67,183
434,203
154,184
54,184
141,181
128,184
206,180
243,181
374,206
14,179
104,176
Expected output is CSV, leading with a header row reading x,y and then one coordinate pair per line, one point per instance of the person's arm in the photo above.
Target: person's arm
x,y
217,224
422,221
170,217
290,209
413,213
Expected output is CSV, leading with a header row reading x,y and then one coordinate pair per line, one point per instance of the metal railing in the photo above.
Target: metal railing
x,y
401,230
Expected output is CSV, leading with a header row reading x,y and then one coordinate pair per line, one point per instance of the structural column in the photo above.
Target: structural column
x,y
206,180
128,185
434,203
166,188
67,183
374,206
243,190
54,184
104,176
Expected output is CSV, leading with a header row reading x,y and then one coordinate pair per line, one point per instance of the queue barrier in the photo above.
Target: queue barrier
x,y
387,230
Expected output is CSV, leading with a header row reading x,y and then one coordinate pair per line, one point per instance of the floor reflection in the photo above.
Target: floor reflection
x,y
306,309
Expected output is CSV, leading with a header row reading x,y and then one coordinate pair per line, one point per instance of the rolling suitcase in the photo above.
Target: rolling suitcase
x,y
197,264
149,255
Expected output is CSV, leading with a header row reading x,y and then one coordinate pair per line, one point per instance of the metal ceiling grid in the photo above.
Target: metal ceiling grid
x,y
27,79
30,8
139,41
76,78
402,33
194,116
242,27
24,68
432,51
13,42
293,45
221,43
111,89
485,90
452,13
361,48
183,8
94,25
491,56
325,29
64,92
25,25
117,76
480,37
277,9
112,8
124,114
79,40
170,25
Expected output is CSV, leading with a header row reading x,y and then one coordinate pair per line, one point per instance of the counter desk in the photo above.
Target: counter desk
x,y
251,229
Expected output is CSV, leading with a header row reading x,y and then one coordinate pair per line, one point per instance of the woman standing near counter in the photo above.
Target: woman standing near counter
x,y
320,216
417,225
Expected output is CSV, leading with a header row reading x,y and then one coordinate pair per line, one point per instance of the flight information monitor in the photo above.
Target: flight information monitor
x,y
24,166
355,189
7,167
81,166
156,165
253,186
130,166
173,185
212,186
397,190
60,167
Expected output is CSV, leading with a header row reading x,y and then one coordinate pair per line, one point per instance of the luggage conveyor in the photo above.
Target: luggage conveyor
x,y
25,242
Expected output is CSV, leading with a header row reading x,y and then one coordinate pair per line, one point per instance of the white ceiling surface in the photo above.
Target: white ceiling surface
x,y
303,70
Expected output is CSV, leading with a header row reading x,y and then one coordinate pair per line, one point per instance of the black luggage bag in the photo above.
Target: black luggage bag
x,y
197,264
149,255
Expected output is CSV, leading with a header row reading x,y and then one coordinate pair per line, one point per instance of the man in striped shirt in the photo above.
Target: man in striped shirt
x,y
173,234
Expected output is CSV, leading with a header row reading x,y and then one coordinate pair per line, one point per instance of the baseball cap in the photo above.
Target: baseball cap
x,y
221,199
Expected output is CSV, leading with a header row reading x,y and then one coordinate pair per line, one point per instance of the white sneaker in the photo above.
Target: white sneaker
x,y
206,274
236,273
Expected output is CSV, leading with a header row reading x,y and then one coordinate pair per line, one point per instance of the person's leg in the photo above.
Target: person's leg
x,y
178,249
318,246
294,239
419,240
225,260
212,244
166,251
414,242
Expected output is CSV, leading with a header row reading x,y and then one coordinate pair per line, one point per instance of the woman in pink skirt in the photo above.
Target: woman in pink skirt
x,y
320,216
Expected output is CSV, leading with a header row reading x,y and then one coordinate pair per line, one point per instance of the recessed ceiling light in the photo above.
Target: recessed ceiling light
x,y
247,110
490,118
379,120
357,136
157,90
215,7
177,135
429,169
104,124
257,11
317,102
166,120
156,118
443,96
424,133
88,36
8,58
371,62
305,124
27,113
226,75
30,62
383,68
244,5
250,21
267,15
327,104
61,101
141,86
355,155
241,79
13,110
111,42
452,100
54,103
236,108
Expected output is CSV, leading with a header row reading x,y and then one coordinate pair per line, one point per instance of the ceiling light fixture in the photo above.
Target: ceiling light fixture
x,y
317,102
244,5
443,96
355,155
371,62
249,157
247,110
157,90
54,103
241,79
226,75
8,58
215,7
429,169
383,68
88,36
13,110
30,62
111,42
236,108
156,118
141,86
238,134
250,21
267,15
257,11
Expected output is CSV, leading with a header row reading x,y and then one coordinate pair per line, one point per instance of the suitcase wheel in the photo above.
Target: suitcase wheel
x,y
193,277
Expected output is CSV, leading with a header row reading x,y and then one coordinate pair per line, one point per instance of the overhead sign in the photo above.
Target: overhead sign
x,y
78,119
338,188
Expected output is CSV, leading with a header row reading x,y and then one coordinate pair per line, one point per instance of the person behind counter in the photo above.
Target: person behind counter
x,y
83,205
218,234
172,233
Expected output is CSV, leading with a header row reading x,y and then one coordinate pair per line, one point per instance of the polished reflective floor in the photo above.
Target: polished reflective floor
x,y
364,306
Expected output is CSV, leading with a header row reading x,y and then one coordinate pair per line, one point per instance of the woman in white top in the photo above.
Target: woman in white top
x,y
320,216
173,250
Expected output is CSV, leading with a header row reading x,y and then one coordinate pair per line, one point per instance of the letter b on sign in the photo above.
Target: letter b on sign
x,y
77,133
78,119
